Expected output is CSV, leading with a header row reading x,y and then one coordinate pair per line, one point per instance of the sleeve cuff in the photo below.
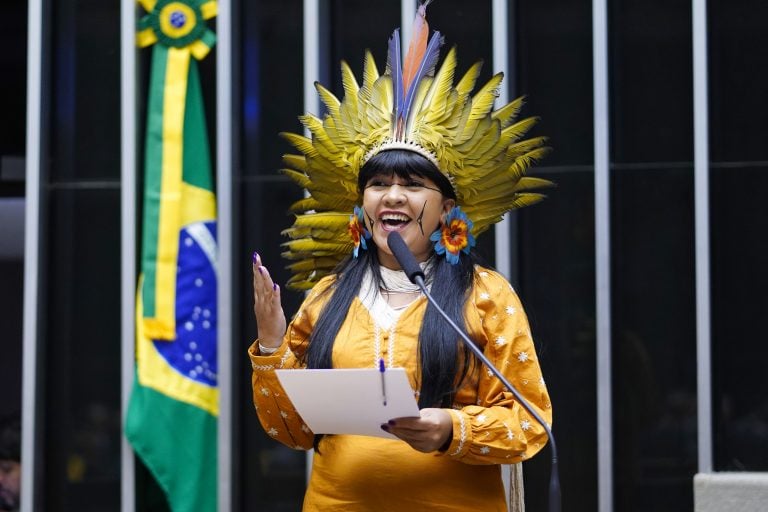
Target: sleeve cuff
x,y
267,362
462,434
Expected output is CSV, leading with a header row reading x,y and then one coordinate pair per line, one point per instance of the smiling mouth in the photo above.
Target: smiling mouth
x,y
394,221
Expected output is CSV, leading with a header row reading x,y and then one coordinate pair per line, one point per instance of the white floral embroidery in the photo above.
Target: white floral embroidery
x,y
489,372
283,414
376,345
391,346
481,418
462,435
273,432
501,340
485,450
264,391
284,358
511,310
305,429
483,274
525,382
525,425
523,357
510,434
485,296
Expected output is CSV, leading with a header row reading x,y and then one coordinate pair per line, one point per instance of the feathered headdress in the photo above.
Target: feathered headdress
x,y
480,150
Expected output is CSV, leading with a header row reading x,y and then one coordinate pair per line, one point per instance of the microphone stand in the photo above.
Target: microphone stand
x,y
554,478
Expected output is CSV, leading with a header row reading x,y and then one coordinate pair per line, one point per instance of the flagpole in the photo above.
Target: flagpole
x,y
128,172
224,170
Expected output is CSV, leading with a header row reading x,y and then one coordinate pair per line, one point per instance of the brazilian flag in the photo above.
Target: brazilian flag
x,y
172,415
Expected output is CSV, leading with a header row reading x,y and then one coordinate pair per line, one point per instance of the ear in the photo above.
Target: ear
x,y
447,205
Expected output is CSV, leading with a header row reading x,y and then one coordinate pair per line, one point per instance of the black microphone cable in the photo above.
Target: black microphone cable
x,y
416,275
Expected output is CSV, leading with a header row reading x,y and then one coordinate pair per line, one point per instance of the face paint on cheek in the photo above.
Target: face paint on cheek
x,y
421,218
370,220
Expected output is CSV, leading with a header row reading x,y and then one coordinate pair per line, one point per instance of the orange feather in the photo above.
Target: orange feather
x,y
417,46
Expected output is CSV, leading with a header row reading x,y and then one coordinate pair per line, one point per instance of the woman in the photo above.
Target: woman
x,y
365,310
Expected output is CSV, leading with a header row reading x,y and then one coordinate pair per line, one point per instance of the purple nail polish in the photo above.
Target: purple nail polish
x,y
255,256
274,286
261,271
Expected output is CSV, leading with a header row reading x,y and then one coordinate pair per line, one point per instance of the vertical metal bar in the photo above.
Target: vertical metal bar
x,y
504,243
407,13
311,55
312,63
602,254
224,169
701,208
127,240
32,216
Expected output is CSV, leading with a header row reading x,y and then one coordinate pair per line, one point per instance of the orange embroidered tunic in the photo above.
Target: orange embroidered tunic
x,y
358,473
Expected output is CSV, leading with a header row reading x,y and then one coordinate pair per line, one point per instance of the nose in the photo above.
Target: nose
x,y
395,193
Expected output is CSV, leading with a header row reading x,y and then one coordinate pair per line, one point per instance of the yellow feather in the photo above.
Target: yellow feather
x,y
468,81
300,142
304,205
297,162
524,146
530,183
434,103
508,112
308,245
329,100
313,263
299,178
348,81
520,128
370,75
323,220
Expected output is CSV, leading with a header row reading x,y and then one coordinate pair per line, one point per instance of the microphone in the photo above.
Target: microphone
x,y
407,261
404,257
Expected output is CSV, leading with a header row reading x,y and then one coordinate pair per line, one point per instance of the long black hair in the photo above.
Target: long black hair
x,y
444,361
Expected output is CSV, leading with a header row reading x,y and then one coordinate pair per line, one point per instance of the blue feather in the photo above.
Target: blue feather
x,y
426,68
396,70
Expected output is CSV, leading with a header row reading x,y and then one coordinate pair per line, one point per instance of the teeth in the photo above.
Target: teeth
x,y
395,217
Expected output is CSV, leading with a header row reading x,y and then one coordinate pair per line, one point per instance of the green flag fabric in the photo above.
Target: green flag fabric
x,y
172,415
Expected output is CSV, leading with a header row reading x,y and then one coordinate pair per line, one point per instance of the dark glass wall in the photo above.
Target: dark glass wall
x,y
13,92
652,255
551,43
272,476
467,26
79,335
739,233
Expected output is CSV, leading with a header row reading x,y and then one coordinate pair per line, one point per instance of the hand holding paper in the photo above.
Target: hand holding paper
x,y
349,401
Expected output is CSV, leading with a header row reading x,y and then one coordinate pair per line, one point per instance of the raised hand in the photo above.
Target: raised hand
x,y
270,317
431,431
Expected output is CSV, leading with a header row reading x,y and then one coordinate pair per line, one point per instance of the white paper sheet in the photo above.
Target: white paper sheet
x,y
349,401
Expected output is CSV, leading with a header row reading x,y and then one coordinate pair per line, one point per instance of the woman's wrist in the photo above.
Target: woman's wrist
x,y
267,350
